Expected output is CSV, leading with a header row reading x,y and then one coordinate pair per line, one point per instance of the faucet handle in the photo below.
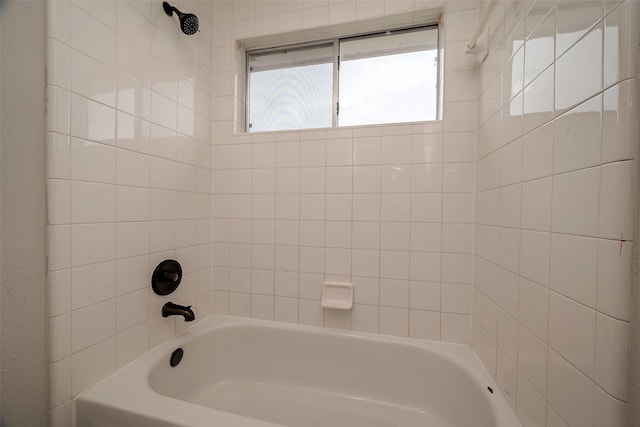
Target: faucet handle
x,y
166,277
173,277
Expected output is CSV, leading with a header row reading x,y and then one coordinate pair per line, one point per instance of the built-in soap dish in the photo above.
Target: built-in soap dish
x,y
337,295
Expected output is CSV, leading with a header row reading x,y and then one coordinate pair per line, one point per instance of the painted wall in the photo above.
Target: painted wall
x,y
23,386
128,179
555,206
388,208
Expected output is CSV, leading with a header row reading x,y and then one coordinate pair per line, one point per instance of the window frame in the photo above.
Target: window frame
x,y
335,41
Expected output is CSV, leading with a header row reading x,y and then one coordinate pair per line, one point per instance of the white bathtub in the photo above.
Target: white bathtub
x,y
242,372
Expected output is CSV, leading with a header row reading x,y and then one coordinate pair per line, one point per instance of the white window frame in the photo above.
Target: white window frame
x,y
335,41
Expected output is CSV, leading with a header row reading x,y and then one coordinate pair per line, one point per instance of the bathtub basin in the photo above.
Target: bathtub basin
x,y
238,372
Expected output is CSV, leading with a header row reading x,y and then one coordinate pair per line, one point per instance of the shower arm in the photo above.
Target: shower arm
x,y
472,45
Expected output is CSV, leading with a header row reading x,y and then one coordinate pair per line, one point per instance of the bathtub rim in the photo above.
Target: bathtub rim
x,y
129,383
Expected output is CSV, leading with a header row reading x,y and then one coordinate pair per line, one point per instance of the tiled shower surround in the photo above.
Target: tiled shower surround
x,y
388,208
509,192
554,210
130,105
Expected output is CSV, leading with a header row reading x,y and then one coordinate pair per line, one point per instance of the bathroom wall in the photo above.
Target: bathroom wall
x,y
23,382
146,160
128,179
555,207
388,208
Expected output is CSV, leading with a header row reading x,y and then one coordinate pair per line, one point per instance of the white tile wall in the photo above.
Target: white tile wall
x,y
388,208
557,174
129,182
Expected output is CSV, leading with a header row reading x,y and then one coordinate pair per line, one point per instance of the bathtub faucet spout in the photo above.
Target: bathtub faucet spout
x,y
171,309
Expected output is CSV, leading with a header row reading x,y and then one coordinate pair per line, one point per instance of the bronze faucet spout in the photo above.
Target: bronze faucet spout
x,y
171,309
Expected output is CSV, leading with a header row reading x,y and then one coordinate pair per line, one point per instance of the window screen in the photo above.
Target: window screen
x,y
291,89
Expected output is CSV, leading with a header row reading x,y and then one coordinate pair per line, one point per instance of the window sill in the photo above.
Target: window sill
x,y
429,124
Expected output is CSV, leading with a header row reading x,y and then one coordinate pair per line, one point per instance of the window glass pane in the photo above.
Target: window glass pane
x,y
291,89
389,78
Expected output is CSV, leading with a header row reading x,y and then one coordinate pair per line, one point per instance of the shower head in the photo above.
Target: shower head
x,y
188,21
